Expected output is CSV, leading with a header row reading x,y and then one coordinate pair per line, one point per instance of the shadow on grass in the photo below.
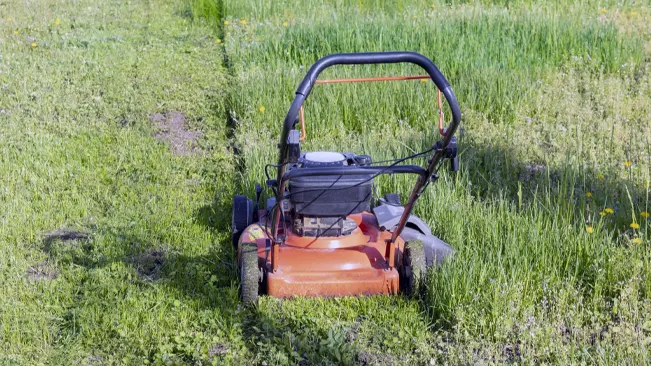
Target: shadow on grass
x,y
119,277
564,204
210,281
495,174
202,278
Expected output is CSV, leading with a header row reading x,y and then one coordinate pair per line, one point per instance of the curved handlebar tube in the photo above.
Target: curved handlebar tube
x,y
369,58
358,170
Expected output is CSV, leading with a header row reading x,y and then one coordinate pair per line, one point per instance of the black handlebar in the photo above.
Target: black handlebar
x,y
359,170
369,58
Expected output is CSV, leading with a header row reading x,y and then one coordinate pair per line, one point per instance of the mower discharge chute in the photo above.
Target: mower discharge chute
x,y
320,235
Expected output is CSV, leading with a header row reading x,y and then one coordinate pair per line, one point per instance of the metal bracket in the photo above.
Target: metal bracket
x,y
451,152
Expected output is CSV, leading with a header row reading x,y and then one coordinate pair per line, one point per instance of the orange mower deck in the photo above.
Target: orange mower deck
x,y
326,266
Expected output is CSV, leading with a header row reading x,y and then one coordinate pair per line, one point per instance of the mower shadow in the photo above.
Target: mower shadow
x,y
495,174
204,278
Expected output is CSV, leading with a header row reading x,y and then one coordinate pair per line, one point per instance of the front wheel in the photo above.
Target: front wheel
x,y
249,274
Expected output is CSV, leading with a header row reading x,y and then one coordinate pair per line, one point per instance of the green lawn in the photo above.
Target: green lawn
x,y
128,125
555,99
111,241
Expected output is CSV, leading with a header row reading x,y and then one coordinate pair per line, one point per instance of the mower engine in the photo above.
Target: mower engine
x,y
321,233
320,205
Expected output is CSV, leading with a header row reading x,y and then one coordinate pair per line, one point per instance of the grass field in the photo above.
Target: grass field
x,y
128,125
109,251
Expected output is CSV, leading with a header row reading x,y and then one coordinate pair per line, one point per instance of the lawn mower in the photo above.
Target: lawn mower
x,y
321,233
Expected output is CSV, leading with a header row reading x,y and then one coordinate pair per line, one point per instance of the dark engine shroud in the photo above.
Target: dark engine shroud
x,y
320,196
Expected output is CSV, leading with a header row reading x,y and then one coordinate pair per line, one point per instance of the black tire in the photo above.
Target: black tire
x,y
242,217
249,274
413,268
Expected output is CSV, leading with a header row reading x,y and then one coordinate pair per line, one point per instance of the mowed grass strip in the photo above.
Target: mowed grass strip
x,y
116,182
547,213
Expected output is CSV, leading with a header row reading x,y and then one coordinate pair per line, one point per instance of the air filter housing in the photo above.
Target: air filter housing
x,y
331,195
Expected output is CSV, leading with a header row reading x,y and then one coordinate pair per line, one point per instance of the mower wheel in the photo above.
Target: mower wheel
x,y
242,217
249,274
414,267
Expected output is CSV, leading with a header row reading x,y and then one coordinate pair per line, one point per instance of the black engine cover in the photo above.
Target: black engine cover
x,y
332,195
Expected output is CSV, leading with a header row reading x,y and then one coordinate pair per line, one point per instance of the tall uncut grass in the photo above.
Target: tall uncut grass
x,y
555,157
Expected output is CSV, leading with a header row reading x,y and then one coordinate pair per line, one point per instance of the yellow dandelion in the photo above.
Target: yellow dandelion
x,y
609,210
57,21
628,163
588,194
634,225
243,21
644,214
433,6
602,214
34,44
602,10
218,40
415,17
261,109
634,13
637,241
423,80
9,19
15,33
226,22
589,229
601,176
285,24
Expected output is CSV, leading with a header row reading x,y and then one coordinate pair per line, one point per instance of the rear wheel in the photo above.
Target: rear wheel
x,y
249,274
414,267
242,217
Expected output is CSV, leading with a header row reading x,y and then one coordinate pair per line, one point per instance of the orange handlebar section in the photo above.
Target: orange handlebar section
x,y
362,80
365,80
441,128
303,131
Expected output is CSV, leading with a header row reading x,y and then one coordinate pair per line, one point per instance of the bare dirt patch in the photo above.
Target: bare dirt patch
x,y
94,360
217,350
149,264
512,352
366,358
529,171
42,271
351,334
172,128
64,234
